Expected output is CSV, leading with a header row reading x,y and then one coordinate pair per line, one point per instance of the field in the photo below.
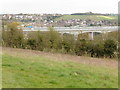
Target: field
x,y
92,17
35,69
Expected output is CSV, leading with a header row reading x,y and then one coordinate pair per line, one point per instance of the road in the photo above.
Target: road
x,y
63,29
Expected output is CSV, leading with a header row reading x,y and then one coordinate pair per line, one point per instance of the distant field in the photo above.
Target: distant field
x,y
92,17
34,69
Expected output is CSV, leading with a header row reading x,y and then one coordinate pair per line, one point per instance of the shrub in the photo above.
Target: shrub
x,y
81,47
13,37
35,40
109,48
54,42
68,43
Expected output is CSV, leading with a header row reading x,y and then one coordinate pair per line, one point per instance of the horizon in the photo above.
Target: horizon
x,y
59,13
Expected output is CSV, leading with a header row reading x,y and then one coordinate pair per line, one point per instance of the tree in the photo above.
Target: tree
x,y
52,39
68,43
109,48
80,48
98,50
13,36
83,36
95,49
35,41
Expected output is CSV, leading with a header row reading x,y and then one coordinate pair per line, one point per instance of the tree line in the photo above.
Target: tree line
x,y
52,41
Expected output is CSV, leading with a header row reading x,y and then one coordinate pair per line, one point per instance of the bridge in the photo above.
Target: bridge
x,y
94,30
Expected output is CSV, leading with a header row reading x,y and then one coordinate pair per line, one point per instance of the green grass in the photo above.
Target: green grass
x,y
92,17
42,72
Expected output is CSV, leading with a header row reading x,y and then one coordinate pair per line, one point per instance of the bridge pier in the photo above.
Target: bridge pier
x,y
91,35
25,34
76,36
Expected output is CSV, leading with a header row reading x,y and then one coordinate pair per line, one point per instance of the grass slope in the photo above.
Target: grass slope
x,y
27,70
92,17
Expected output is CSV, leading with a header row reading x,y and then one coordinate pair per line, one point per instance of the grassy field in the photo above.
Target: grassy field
x,y
92,17
33,69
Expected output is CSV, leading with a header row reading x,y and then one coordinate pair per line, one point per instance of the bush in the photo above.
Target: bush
x,y
35,41
81,47
54,39
97,50
54,42
12,37
109,48
68,43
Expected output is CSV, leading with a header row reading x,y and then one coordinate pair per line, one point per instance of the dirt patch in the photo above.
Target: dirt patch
x,y
80,59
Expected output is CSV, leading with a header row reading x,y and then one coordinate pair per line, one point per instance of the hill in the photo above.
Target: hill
x,y
35,69
91,17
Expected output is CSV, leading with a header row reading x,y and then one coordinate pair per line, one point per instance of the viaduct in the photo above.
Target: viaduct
x,y
94,30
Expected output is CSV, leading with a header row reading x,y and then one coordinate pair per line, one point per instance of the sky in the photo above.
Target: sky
x,y
58,6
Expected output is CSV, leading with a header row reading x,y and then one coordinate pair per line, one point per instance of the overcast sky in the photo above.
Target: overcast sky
x,y
58,6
